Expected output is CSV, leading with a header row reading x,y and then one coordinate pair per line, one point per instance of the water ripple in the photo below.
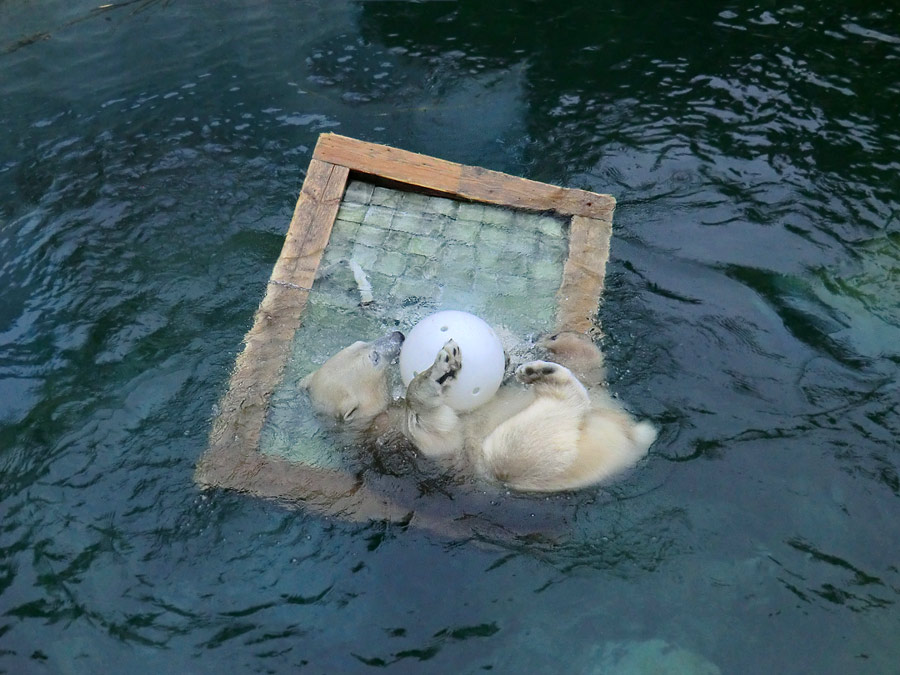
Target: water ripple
x,y
148,168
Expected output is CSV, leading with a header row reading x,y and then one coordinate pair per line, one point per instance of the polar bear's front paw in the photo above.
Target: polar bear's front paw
x,y
541,371
447,363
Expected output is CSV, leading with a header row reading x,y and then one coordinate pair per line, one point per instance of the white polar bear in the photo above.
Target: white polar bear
x,y
551,435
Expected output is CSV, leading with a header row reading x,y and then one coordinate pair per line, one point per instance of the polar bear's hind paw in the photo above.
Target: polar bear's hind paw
x,y
536,371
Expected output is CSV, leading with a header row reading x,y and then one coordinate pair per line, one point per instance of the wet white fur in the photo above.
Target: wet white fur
x,y
551,435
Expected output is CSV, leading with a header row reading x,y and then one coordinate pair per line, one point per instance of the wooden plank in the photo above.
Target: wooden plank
x,y
232,457
391,163
460,181
520,193
583,273
310,227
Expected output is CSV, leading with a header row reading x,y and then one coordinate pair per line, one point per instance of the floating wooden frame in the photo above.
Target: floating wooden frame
x,y
232,459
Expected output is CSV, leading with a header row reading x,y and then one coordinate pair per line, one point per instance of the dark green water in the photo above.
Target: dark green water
x,y
150,157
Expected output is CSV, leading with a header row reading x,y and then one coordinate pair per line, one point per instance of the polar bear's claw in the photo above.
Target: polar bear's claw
x,y
447,363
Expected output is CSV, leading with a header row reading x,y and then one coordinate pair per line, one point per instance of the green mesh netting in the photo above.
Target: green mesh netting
x,y
421,254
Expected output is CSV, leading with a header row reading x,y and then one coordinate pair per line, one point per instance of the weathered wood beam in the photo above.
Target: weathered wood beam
x,y
583,273
234,439
460,181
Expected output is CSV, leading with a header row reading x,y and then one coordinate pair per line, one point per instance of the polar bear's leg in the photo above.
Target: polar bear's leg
x,y
432,425
532,448
561,442
426,390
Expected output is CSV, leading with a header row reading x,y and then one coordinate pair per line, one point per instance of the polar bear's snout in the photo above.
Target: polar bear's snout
x,y
387,349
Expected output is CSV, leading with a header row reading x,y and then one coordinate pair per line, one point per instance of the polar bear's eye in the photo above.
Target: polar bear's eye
x,y
376,357
350,413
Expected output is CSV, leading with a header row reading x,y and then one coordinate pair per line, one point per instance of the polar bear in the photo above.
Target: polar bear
x,y
351,388
553,434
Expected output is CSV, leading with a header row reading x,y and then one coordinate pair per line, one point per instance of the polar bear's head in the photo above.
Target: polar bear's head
x,y
351,387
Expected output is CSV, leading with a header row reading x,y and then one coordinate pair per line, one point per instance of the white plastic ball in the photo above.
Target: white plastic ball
x,y
483,360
